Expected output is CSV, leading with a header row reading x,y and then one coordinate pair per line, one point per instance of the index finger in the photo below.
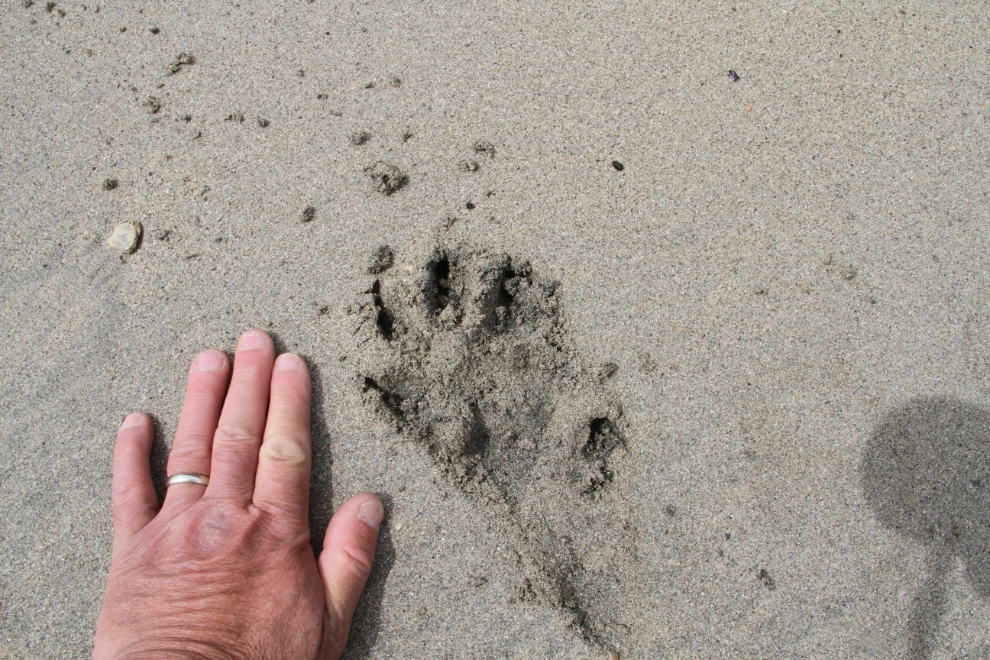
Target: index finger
x,y
282,482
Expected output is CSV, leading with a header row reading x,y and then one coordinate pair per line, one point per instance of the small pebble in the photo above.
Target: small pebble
x,y
618,166
733,76
125,237
263,123
308,214
110,184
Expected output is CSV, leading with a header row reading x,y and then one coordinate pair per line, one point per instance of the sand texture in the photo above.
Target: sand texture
x,y
663,331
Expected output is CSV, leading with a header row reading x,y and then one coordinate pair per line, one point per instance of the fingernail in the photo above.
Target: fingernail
x,y
251,341
372,513
209,361
288,361
132,420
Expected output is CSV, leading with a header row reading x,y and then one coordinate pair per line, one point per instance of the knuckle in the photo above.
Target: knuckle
x,y
284,450
233,436
249,373
360,562
192,450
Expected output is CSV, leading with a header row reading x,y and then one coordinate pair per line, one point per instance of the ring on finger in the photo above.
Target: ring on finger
x,y
187,478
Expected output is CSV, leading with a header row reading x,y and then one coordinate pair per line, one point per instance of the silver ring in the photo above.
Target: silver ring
x,y
200,479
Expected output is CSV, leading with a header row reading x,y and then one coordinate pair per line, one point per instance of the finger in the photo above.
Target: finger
x,y
345,563
193,444
282,482
242,421
134,500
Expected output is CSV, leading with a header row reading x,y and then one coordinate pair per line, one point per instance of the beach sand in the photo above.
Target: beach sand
x,y
736,402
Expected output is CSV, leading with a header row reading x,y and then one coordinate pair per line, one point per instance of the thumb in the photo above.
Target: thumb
x,y
345,563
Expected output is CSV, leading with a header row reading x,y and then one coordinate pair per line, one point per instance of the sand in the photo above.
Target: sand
x,y
773,286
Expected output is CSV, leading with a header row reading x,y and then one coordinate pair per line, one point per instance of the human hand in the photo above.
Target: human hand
x,y
226,571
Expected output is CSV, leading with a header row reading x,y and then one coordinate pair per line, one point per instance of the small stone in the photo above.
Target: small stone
x,y
618,166
126,237
263,123
110,184
733,76
308,214
749,106
381,260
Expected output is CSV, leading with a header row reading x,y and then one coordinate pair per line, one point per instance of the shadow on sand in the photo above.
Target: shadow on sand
x,y
926,473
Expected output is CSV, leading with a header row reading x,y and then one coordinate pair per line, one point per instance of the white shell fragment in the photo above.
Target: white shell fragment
x,y
125,237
